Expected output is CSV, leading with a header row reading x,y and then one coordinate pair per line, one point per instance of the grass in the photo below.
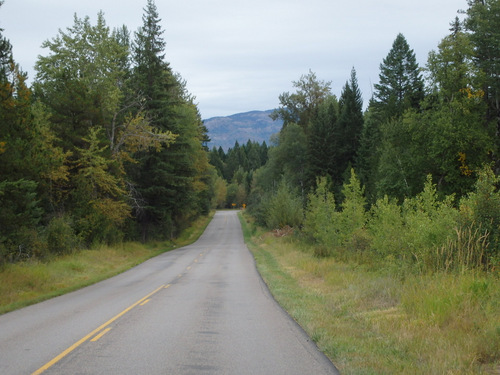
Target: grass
x,y
373,321
26,283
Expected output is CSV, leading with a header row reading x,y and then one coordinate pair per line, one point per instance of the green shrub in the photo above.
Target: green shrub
x,y
386,227
284,209
429,224
353,217
320,222
481,210
61,238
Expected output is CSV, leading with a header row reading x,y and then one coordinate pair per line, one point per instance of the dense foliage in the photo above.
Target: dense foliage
x,y
413,179
107,144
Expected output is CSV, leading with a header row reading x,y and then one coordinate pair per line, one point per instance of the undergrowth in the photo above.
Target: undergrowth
x,y
374,318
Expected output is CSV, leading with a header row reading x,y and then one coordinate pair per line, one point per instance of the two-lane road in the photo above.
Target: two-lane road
x,y
201,309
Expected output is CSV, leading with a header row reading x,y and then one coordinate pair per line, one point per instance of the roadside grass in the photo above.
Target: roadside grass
x,y
29,282
373,321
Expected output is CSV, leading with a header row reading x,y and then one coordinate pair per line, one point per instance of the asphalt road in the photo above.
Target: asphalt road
x,y
200,309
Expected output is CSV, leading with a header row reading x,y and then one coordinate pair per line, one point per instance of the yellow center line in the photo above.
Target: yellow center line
x,y
82,340
144,302
103,332
188,268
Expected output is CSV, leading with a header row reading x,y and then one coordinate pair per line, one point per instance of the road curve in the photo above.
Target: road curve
x,y
200,309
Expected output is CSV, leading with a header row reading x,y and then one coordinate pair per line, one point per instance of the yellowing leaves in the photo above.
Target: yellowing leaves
x,y
136,134
464,168
113,210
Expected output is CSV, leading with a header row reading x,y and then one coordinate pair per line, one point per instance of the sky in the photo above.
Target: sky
x,y
240,55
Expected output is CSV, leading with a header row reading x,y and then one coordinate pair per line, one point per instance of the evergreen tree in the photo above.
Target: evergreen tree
x,y
216,161
369,152
169,183
484,25
401,85
20,210
349,126
323,143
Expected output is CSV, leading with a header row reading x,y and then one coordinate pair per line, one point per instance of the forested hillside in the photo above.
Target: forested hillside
x,y
107,144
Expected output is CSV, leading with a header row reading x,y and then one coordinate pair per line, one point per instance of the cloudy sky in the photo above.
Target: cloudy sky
x,y
239,55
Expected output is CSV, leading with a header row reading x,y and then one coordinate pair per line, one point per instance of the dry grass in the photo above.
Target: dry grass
x,y
375,322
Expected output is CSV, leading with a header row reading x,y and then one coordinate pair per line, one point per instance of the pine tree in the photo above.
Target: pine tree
x,y
322,142
169,183
350,124
483,23
20,209
401,85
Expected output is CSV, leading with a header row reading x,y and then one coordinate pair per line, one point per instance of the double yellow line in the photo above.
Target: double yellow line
x,y
94,332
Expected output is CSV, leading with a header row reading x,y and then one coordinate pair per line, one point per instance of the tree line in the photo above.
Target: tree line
x,y
427,145
107,144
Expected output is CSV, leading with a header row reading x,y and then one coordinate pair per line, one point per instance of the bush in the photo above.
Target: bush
x,y
284,209
481,210
429,224
386,227
61,238
353,217
321,217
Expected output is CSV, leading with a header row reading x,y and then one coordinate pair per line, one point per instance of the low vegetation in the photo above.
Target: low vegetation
x,y
31,281
372,318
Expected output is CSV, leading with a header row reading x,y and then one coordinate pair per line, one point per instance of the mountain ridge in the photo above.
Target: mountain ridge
x,y
255,126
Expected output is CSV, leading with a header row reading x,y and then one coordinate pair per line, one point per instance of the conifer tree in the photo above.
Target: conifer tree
x,y
350,125
483,23
170,183
401,85
323,142
20,210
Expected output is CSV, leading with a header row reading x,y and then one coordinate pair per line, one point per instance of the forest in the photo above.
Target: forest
x,y
108,145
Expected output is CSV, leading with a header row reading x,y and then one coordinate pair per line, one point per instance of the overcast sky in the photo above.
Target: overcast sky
x,y
239,55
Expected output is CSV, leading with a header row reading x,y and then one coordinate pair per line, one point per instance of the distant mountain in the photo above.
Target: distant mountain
x,y
255,125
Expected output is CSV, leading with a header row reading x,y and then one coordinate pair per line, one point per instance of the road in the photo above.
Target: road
x,y
200,309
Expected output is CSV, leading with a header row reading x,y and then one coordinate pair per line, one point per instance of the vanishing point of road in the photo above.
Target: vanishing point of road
x,y
200,309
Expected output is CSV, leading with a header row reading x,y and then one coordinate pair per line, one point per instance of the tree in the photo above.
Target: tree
x,y
451,67
484,25
173,183
79,79
290,157
369,152
301,107
349,126
20,207
323,142
401,85
99,196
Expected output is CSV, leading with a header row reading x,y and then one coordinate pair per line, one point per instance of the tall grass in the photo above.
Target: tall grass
x,y
369,320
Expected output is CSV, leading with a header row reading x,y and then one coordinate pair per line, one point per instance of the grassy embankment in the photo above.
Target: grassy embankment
x,y
29,282
374,321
